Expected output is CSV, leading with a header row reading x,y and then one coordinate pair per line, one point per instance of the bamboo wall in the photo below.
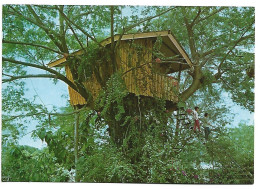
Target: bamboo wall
x,y
91,84
139,77
135,61
75,97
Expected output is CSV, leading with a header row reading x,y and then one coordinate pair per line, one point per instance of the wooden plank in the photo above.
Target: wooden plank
x,y
62,60
180,49
57,62
135,36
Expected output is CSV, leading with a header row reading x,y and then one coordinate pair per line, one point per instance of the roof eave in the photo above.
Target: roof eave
x,y
133,36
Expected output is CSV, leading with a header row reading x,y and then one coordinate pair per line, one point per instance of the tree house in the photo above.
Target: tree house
x,y
145,59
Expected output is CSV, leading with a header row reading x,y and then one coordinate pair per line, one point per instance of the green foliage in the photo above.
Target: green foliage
x,y
24,164
105,164
130,138
112,99
152,156
243,143
221,37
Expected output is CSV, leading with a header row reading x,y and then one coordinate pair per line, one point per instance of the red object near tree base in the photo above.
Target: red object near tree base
x,y
189,111
158,60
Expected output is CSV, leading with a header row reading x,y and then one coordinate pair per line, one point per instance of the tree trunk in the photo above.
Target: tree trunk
x,y
196,83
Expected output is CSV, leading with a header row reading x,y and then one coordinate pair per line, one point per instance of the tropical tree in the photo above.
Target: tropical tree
x,y
219,41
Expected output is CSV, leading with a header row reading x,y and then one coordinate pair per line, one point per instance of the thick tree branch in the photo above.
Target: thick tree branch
x,y
31,44
12,78
197,75
196,17
196,83
62,31
74,33
82,91
192,45
47,31
78,27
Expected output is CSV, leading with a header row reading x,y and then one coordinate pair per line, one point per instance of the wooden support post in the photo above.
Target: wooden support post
x,y
76,142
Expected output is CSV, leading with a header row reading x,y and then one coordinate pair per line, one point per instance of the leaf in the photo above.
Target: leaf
x,y
42,134
181,105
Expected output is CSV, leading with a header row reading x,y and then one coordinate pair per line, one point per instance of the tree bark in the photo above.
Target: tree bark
x,y
196,83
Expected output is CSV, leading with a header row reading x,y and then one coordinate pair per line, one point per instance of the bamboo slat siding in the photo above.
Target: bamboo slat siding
x,y
92,85
134,59
139,79
75,97
161,86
